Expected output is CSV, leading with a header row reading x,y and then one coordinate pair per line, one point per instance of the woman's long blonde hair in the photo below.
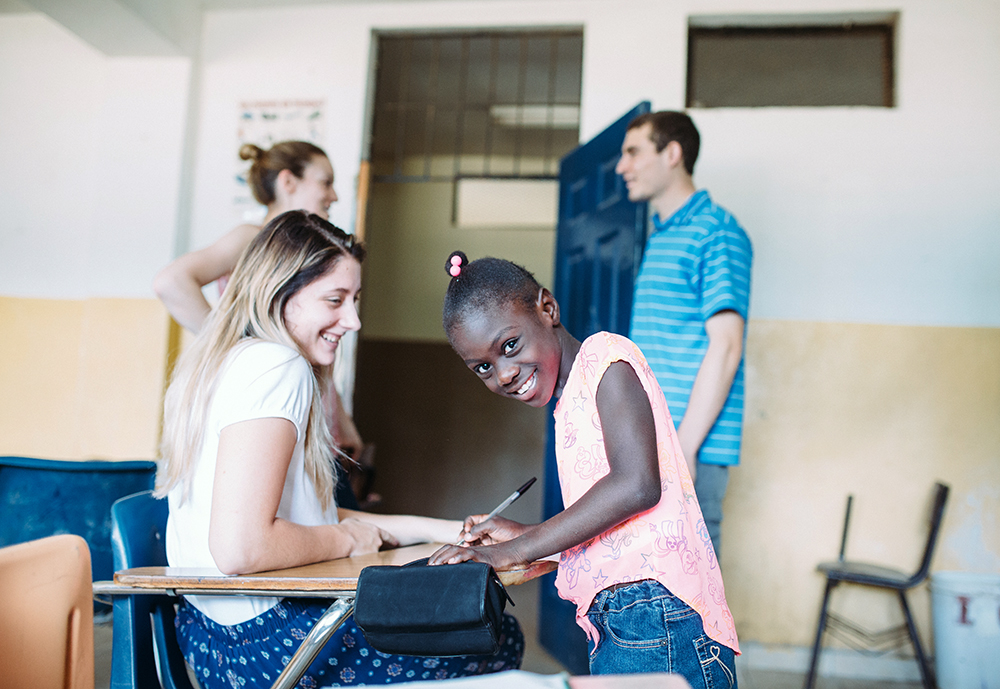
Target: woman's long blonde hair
x,y
290,252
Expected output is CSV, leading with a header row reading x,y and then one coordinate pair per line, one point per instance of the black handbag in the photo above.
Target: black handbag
x,y
445,610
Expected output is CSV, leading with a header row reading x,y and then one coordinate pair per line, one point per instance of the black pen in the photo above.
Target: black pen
x,y
506,503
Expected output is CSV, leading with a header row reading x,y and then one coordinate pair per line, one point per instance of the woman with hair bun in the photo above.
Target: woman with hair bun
x,y
291,175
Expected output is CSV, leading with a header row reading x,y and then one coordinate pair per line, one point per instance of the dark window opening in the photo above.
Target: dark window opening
x,y
848,63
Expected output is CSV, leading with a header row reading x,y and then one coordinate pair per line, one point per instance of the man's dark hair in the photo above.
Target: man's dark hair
x,y
667,126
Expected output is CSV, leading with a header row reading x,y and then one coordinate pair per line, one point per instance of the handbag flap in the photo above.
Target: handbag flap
x,y
444,597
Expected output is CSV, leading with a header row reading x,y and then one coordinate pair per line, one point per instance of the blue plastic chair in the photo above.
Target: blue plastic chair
x,y
138,531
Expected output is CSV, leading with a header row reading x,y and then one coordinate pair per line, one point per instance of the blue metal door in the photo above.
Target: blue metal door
x,y
599,244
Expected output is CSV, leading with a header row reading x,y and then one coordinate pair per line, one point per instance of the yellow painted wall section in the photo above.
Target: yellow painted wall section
x,y
878,411
81,379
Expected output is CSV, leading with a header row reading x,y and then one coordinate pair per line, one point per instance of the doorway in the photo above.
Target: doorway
x,y
467,133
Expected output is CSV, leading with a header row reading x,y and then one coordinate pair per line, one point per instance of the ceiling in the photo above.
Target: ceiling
x,y
20,6
138,28
14,6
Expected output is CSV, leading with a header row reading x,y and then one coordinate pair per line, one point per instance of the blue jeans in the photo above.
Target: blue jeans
x,y
645,628
710,486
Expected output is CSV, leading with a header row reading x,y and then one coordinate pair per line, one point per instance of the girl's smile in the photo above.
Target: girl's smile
x,y
528,384
517,352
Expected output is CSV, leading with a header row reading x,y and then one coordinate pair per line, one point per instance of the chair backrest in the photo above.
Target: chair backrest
x,y
937,516
138,530
143,639
47,614
847,526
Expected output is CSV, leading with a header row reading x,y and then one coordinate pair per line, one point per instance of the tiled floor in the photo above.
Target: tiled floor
x,y
760,679
537,660
102,654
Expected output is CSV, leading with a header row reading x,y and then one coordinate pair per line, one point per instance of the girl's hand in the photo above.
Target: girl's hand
x,y
477,531
500,557
366,537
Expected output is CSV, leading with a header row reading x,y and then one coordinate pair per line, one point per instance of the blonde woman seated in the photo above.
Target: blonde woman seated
x,y
247,468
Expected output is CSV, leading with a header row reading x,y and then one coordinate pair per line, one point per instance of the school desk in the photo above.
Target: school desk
x,y
335,579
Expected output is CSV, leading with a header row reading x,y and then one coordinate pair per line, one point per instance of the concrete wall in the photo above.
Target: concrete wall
x,y
878,411
873,342
410,236
91,180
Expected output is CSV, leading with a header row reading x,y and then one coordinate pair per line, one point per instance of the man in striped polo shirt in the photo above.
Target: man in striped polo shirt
x,y
691,300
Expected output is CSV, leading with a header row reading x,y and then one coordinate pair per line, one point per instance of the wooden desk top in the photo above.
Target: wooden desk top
x,y
334,575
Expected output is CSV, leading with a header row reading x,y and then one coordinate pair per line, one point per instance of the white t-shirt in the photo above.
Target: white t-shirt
x,y
258,380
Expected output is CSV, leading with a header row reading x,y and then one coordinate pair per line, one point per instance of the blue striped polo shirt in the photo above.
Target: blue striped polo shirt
x,y
696,264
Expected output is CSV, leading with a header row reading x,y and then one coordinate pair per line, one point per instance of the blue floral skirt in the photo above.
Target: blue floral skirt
x,y
253,653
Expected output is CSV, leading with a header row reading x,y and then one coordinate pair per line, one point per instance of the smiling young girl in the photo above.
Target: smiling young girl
x,y
636,558
247,468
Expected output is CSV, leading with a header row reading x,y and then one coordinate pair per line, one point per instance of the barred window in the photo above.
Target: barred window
x,y
490,104
814,60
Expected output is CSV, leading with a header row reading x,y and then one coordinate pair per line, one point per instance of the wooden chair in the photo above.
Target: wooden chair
x,y
849,572
47,614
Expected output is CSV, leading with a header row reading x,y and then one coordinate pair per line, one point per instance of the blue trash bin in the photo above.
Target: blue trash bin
x,y
45,497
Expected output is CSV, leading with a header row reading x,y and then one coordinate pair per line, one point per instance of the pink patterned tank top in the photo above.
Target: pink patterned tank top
x,y
668,543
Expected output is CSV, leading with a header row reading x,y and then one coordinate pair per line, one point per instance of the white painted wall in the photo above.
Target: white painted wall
x,y
91,166
857,214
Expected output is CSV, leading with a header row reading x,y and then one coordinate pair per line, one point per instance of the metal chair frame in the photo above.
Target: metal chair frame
x,y
866,574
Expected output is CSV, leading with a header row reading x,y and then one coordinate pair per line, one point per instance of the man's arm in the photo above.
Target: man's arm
x,y
712,384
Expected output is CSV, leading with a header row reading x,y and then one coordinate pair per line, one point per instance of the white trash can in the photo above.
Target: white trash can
x,y
966,614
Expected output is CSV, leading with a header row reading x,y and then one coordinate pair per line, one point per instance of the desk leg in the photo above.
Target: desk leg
x,y
321,632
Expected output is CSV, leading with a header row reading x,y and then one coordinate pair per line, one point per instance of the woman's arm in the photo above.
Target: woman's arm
x,y
409,529
179,284
631,486
245,535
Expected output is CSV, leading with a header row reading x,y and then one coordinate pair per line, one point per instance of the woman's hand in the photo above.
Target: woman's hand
x,y
408,529
179,284
366,537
